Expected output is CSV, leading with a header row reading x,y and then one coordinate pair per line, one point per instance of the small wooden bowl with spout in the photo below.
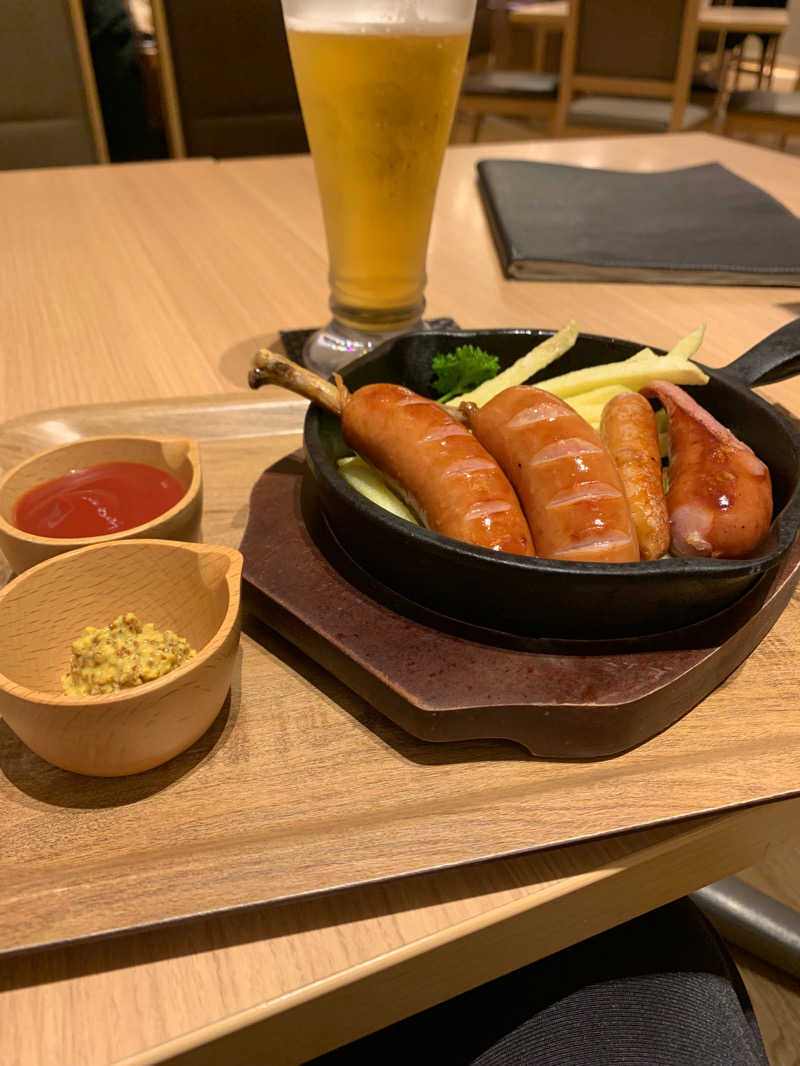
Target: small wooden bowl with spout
x,y
178,456
192,589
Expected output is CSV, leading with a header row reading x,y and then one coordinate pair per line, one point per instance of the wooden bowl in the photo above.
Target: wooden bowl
x,y
192,589
178,456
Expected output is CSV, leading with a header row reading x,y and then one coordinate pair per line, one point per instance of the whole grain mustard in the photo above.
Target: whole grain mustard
x,y
123,655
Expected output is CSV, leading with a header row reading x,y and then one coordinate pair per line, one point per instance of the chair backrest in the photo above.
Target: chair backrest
x,y
480,41
227,82
490,42
629,48
49,110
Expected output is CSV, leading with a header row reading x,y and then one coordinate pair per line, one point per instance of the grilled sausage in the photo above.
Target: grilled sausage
x,y
720,493
629,430
570,490
436,465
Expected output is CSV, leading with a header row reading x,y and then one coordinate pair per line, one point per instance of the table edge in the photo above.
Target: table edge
x,y
733,840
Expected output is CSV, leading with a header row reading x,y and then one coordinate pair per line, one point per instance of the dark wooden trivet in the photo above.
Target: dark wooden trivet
x,y
442,680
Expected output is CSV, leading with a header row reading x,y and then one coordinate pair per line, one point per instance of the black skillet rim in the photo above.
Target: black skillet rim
x,y
784,526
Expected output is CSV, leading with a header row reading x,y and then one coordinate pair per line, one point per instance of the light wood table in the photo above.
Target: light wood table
x,y
767,20
159,280
544,17
772,21
549,14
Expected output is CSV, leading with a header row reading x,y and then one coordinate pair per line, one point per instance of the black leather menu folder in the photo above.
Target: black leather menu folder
x,y
700,225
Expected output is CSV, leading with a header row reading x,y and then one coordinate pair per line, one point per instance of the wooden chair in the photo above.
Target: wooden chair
x,y
760,110
50,109
628,65
488,89
763,67
226,78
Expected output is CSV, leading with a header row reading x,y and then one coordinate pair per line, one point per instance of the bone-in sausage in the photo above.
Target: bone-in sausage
x,y
629,430
569,488
720,493
437,466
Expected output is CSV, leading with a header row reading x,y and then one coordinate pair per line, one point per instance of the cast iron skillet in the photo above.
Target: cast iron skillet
x,y
543,597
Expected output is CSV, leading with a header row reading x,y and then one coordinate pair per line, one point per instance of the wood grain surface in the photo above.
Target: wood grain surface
x,y
268,765
161,279
274,776
157,281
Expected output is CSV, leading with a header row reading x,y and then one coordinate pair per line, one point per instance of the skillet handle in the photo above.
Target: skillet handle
x,y
775,358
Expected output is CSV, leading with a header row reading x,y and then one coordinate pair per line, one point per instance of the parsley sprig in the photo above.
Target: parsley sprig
x,y
462,370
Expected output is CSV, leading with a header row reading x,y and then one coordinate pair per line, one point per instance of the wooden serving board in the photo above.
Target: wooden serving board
x,y
301,786
444,680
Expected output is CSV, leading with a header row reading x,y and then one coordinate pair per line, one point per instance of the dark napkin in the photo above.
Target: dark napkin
x,y
697,225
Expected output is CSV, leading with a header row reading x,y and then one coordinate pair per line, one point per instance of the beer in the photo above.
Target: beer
x,y
378,103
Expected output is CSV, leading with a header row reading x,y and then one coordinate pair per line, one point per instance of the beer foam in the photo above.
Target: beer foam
x,y
384,16
429,29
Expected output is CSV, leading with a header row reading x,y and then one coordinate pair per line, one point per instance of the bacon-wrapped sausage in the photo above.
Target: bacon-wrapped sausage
x,y
720,493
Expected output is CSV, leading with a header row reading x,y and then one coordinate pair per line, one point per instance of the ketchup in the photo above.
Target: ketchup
x,y
97,500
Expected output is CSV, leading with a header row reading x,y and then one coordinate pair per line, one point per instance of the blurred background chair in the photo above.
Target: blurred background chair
x,y
227,82
547,30
628,66
126,81
489,88
725,57
49,108
763,67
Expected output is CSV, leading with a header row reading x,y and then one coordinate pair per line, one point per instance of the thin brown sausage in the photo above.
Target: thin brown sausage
x,y
437,466
629,430
720,493
569,487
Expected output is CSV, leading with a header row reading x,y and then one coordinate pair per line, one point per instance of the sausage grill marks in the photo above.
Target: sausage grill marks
x,y
422,449
583,501
437,466
570,489
720,493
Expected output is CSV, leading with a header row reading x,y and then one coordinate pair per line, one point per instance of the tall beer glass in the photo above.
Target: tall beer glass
x,y
378,82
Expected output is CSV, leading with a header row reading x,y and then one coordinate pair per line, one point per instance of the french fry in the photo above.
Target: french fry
x,y
524,367
685,348
662,425
368,481
548,351
632,373
688,345
589,405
